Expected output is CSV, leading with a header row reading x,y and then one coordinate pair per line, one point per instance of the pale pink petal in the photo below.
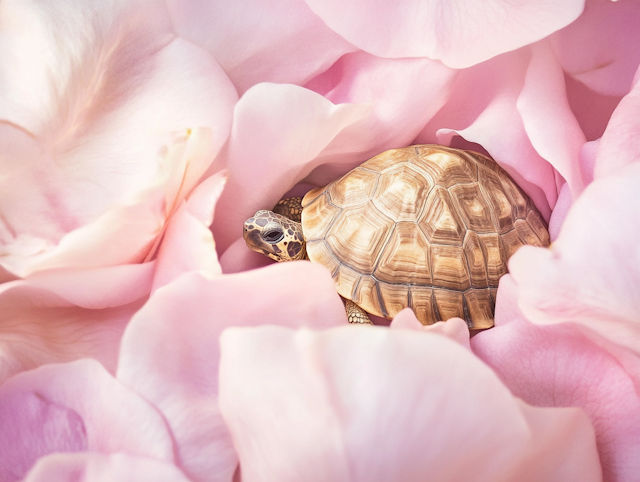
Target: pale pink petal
x,y
591,273
557,366
95,467
461,33
404,94
619,145
376,104
550,125
483,109
281,41
560,211
592,109
70,408
454,328
87,104
238,257
188,243
371,404
601,48
66,315
588,160
170,350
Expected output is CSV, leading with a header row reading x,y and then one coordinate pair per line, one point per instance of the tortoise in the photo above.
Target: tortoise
x,y
427,227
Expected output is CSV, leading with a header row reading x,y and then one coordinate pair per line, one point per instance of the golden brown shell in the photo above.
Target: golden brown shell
x,y
426,227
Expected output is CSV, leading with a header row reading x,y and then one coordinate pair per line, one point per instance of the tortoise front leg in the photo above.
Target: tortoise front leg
x,y
355,314
290,207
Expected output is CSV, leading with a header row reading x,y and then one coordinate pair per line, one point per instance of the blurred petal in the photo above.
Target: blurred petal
x,y
188,316
461,33
87,104
74,407
259,42
619,145
372,404
557,366
94,467
604,62
591,272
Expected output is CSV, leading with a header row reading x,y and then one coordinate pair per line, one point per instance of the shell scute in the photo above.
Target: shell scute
x,y
354,189
473,208
359,235
402,192
440,221
405,257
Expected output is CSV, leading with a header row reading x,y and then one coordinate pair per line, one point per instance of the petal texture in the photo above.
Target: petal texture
x,y
591,272
259,42
94,467
70,408
461,33
87,105
363,403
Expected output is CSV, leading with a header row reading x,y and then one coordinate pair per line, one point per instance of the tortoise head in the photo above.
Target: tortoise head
x,y
275,236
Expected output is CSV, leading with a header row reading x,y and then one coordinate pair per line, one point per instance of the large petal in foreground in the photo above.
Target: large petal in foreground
x,y
371,404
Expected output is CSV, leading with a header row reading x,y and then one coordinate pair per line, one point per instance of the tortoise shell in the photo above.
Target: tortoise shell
x,y
426,227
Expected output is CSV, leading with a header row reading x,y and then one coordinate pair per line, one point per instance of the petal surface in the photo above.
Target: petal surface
x,y
591,272
605,62
259,42
558,366
461,33
95,467
619,144
87,106
170,351
74,407
362,403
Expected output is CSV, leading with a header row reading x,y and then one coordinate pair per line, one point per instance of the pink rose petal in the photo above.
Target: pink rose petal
x,y
188,243
591,273
371,404
461,33
557,366
259,42
95,467
65,315
560,211
601,48
86,107
74,407
619,145
170,349
454,328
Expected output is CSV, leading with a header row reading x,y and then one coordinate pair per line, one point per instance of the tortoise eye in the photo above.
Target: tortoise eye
x,y
273,235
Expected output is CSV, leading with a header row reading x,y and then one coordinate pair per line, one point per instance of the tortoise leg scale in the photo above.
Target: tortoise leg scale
x,y
355,314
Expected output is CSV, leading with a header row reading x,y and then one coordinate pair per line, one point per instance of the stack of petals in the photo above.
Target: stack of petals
x,y
140,340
